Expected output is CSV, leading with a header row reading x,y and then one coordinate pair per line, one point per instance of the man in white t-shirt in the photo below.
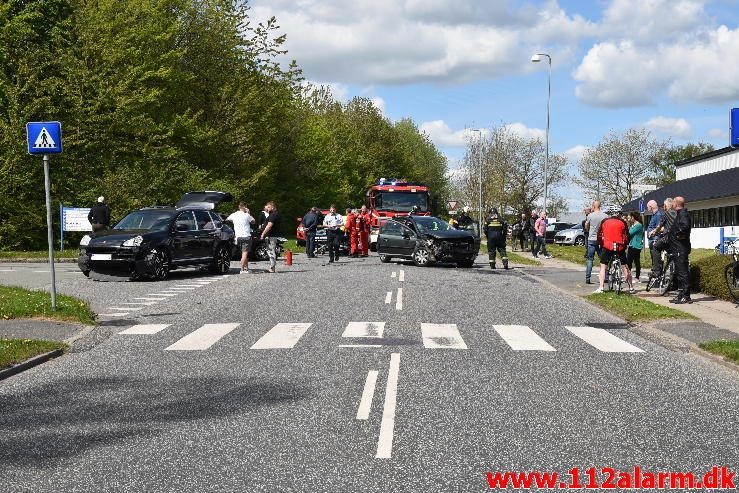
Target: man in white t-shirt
x,y
242,222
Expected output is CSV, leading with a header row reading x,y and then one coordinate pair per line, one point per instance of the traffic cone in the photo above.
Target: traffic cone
x,y
288,257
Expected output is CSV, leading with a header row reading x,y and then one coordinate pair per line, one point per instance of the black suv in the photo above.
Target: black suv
x,y
150,242
427,239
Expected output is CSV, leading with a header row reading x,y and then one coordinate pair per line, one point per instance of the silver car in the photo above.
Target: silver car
x,y
573,236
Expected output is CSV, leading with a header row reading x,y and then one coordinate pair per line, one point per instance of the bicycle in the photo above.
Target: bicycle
x,y
614,271
731,272
663,282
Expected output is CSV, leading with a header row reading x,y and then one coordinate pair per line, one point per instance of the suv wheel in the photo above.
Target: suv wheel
x,y
158,263
422,257
384,259
580,241
221,261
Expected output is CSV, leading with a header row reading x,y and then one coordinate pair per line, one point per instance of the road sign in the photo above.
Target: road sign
x,y
452,204
643,187
44,137
75,219
734,127
452,213
642,208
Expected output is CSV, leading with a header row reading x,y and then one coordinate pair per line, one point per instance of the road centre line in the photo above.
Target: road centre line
x,y
399,300
147,303
146,329
522,338
387,426
442,336
202,338
388,297
282,336
129,308
181,289
364,329
41,271
187,285
119,314
603,340
393,275
162,294
151,299
401,276
365,403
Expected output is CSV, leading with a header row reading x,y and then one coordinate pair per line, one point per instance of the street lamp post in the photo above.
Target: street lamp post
x,y
479,163
537,58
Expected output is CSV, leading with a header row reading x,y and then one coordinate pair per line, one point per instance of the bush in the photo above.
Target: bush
x,y
707,275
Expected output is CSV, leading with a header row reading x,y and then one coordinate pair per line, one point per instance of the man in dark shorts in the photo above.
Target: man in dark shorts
x,y
613,238
270,233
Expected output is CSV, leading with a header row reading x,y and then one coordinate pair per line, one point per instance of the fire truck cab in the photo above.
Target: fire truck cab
x,y
392,197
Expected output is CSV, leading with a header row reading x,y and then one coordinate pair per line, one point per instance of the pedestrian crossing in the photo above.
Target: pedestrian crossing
x,y
444,337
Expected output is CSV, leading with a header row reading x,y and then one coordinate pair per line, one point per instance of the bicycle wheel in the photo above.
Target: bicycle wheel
x,y
610,276
732,281
651,282
618,278
666,281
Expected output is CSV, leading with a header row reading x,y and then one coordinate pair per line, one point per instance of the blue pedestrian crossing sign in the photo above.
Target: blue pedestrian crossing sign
x,y
642,208
44,137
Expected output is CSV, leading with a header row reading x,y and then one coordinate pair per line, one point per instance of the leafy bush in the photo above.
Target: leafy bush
x,y
707,275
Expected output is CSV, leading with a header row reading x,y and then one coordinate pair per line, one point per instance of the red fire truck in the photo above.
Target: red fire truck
x,y
391,197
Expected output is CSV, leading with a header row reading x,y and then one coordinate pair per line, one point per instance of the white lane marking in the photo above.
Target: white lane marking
x,y
522,338
6,270
128,308
365,403
151,299
387,426
399,300
360,345
281,336
442,336
147,303
364,329
401,276
187,285
180,289
393,275
119,314
145,329
388,297
165,293
202,338
603,340
41,271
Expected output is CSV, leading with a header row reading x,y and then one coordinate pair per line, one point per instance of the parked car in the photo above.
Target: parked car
x,y
572,236
554,228
426,240
150,242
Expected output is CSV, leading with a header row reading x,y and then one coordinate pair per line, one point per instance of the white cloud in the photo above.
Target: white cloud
x,y
379,103
410,41
441,134
574,154
718,133
670,127
525,132
647,48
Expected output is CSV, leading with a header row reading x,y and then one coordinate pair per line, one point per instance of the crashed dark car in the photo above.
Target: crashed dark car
x,y
427,240
150,242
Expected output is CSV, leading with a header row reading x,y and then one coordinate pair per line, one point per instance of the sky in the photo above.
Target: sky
x,y
452,65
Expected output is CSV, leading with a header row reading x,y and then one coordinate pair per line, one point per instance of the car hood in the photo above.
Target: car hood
x,y
207,200
114,237
451,235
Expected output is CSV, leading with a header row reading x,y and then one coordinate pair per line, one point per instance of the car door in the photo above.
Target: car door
x,y
207,234
407,241
185,241
390,238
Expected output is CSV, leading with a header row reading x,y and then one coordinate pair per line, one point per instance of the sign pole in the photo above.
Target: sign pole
x,y
50,231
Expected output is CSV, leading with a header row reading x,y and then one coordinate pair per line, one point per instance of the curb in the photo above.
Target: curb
x,y
30,363
36,260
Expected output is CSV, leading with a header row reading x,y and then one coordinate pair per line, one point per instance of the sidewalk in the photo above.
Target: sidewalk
x,y
719,319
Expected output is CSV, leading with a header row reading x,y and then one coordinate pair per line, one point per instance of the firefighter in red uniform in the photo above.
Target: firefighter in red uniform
x,y
364,234
353,231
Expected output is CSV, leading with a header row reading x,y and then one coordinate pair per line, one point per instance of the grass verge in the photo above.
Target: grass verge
x,y
38,254
634,309
14,351
522,259
292,245
576,254
16,302
728,349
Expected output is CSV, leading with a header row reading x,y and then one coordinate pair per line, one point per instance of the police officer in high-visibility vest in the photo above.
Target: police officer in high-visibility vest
x,y
496,230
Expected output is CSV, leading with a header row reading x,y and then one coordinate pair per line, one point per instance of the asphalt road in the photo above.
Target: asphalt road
x,y
475,371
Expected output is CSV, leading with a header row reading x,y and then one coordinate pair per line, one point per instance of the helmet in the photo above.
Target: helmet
x,y
466,209
493,211
415,209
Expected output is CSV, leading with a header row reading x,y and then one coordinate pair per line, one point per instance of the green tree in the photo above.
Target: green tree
x,y
664,160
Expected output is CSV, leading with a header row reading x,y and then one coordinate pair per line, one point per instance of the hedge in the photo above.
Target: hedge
x,y
707,275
